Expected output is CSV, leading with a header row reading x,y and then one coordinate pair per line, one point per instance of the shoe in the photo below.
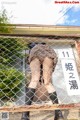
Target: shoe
x,y
58,113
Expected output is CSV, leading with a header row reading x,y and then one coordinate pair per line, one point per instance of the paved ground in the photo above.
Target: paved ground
x,y
48,115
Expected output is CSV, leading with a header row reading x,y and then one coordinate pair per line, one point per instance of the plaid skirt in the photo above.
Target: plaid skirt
x,y
41,52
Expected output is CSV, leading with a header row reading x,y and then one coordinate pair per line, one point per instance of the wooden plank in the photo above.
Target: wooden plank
x,y
51,36
38,107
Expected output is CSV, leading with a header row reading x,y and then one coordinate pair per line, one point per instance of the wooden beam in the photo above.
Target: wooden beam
x,y
50,36
38,107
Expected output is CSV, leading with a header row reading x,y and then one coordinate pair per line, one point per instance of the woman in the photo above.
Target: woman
x,y
42,57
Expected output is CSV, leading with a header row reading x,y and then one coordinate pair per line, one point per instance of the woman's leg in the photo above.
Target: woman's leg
x,y
30,90
48,66
35,73
47,74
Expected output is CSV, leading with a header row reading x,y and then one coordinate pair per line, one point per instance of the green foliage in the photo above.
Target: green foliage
x,y
10,49
4,21
10,81
11,78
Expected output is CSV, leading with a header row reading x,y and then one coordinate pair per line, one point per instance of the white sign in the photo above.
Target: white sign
x,y
70,71
71,77
66,53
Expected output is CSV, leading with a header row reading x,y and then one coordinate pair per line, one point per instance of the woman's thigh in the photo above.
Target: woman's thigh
x,y
35,72
47,70
47,74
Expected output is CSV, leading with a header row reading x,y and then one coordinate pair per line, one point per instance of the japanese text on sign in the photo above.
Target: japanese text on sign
x,y
70,71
